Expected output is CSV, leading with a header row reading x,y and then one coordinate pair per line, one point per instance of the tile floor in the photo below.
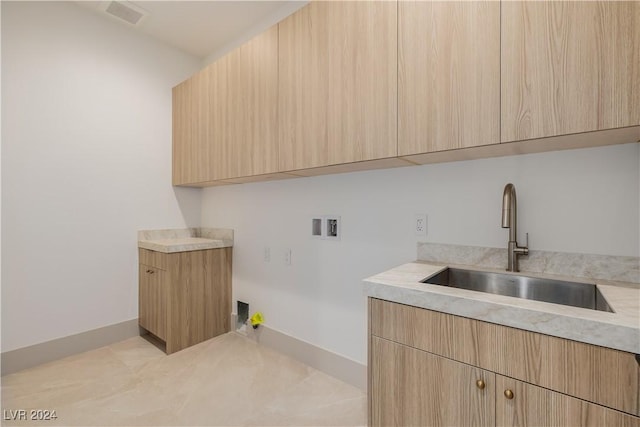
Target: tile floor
x,y
226,381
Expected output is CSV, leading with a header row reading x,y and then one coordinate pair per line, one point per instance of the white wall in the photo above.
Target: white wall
x,y
574,201
86,162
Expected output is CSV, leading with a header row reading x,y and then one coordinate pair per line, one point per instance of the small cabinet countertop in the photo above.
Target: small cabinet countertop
x,y
619,330
185,240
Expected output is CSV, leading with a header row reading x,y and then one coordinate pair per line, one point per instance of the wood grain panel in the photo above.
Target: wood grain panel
x,y
186,306
569,67
448,75
191,131
152,300
415,388
218,150
199,304
217,292
536,406
245,102
338,84
597,374
152,258
605,376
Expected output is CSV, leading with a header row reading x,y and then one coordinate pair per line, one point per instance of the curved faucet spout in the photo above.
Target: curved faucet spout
x,y
509,210
509,220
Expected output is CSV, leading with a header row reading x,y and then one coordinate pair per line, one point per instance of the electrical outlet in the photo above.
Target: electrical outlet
x,y
420,225
267,254
287,256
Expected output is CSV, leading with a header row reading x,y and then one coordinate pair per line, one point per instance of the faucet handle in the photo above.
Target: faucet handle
x,y
526,245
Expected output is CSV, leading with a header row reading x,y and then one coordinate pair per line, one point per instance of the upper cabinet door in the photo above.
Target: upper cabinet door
x,y
225,116
569,67
245,100
448,75
338,84
191,138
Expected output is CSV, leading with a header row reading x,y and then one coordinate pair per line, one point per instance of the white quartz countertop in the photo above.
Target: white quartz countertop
x,y
619,330
184,244
185,240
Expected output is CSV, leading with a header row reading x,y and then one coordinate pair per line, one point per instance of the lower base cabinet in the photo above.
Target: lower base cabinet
x,y
415,379
415,388
530,405
152,300
185,297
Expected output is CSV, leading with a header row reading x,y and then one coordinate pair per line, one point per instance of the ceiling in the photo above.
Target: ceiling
x,y
200,27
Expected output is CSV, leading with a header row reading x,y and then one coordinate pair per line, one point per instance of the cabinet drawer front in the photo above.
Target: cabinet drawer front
x,y
152,258
597,374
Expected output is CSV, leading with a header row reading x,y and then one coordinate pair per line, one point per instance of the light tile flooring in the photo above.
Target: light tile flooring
x,y
227,381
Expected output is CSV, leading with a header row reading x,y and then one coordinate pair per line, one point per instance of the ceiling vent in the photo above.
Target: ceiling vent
x,y
126,11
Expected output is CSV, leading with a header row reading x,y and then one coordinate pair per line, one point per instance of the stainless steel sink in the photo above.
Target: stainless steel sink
x,y
575,294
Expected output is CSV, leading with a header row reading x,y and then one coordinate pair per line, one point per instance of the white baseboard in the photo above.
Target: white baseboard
x,y
331,363
337,366
37,354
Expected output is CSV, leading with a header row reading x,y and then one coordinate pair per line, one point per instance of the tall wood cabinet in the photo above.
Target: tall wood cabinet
x,y
338,84
448,75
569,66
185,297
425,368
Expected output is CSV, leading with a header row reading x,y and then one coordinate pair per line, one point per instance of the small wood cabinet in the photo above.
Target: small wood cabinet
x,y
424,368
185,297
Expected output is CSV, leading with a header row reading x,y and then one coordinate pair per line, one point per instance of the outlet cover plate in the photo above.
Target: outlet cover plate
x,y
420,225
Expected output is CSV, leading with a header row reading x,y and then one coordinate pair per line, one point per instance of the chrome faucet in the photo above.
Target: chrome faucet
x,y
509,220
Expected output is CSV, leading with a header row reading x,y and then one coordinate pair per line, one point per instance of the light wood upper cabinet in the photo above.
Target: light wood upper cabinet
x,y
191,138
225,117
244,99
535,406
411,387
338,84
448,75
569,67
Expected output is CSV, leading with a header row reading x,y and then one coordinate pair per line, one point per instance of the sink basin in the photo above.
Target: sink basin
x,y
575,294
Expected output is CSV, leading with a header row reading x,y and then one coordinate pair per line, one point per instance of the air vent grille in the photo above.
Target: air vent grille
x,y
125,11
